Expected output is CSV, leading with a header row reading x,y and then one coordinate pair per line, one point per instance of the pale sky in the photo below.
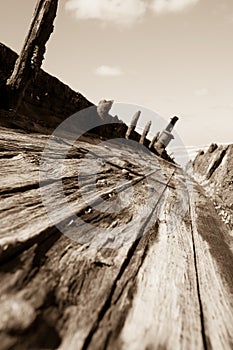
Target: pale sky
x,y
174,57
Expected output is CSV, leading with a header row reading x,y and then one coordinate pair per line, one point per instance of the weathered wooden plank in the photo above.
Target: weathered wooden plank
x,y
214,260
165,309
104,265
159,287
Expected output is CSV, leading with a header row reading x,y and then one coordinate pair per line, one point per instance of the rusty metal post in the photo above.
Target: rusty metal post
x,y
145,132
133,124
172,123
32,54
166,136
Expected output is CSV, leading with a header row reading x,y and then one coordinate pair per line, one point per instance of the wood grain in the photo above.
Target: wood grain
x,y
160,279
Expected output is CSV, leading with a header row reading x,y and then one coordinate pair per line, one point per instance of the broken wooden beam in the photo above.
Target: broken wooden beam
x,y
32,54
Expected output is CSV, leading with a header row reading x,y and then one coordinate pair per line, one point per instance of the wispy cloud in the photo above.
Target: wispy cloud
x,y
163,6
108,71
124,12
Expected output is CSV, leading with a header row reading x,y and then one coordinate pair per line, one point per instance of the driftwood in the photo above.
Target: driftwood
x,y
169,286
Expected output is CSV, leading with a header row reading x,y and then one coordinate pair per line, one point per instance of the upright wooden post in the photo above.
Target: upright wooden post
x,y
145,132
133,124
155,138
32,54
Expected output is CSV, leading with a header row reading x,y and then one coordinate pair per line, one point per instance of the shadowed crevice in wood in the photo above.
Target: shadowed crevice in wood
x,y
206,343
112,336
111,325
124,266
18,247
213,261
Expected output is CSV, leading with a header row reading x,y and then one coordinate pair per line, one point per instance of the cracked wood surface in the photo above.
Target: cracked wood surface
x,y
162,278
